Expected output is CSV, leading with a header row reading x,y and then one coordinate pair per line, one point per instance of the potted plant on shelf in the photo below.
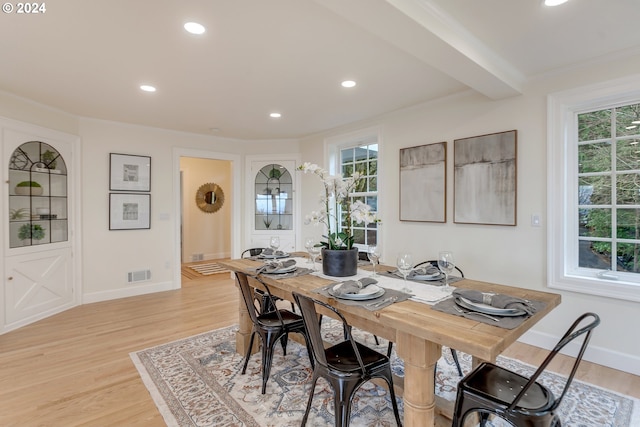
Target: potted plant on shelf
x,y
28,188
18,214
339,257
31,231
49,159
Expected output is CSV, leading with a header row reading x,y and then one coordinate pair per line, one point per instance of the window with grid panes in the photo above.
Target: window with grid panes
x,y
594,191
363,159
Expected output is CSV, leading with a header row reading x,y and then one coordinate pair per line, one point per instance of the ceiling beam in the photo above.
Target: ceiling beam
x,y
422,29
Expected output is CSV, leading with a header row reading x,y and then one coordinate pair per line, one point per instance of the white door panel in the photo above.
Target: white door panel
x,y
37,286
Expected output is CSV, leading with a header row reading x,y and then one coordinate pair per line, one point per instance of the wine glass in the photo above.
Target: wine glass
x,y
446,264
373,253
404,262
274,243
308,244
314,250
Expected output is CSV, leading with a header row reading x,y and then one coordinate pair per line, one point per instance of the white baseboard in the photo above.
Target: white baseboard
x,y
129,291
220,255
602,356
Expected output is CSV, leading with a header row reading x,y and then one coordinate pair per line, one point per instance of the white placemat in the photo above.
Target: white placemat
x,y
424,293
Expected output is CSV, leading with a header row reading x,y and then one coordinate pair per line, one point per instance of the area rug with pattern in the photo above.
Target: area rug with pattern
x,y
196,381
209,268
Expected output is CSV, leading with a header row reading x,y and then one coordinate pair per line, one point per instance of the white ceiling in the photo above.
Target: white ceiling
x,y
88,57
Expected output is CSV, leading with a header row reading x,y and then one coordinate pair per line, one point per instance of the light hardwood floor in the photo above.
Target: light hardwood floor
x,y
73,369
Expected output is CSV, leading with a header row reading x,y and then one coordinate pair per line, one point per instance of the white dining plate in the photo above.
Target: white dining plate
x,y
369,292
436,276
429,277
283,270
487,309
274,256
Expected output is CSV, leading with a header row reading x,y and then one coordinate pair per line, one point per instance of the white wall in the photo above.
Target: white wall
x,y
109,255
205,233
508,255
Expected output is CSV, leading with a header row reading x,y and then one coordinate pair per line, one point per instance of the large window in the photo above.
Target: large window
x,y
609,188
594,190
359,152
363,159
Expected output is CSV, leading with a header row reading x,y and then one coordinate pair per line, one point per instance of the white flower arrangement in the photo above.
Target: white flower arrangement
x,y
338,193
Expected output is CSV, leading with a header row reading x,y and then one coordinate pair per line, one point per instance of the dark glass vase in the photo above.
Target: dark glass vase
x,y
340,263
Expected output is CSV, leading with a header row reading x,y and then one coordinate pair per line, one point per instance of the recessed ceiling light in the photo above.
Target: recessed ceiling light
x,y
554,2
635,122
275,115
194,28
631,127
348,83
147,88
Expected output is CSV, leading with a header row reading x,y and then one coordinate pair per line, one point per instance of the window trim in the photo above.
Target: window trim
x,y
562,109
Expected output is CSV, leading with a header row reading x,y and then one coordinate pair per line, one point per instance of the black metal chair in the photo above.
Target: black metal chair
x,y
272,326
264,301
434,262
524,402
346,366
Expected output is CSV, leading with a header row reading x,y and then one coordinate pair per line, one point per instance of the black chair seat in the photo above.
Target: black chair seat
x,y
524,402
494,382
342,358
272,320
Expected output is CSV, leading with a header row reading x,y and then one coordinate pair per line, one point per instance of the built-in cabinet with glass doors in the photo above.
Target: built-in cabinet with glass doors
x,y
37,196
273,197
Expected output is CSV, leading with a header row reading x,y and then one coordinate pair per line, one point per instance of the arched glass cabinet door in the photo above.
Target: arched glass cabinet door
x,y
37,196
273,198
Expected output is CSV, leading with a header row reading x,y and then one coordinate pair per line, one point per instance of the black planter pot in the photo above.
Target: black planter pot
x,y
340,263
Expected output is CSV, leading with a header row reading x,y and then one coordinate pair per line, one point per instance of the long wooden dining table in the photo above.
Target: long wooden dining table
x,y
418,331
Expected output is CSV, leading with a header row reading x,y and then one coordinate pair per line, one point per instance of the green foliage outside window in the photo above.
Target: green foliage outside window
x,y
609,180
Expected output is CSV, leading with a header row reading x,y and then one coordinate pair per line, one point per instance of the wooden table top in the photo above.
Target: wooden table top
x,y
481,340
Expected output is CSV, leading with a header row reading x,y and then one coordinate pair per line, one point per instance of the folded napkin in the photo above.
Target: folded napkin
x,y
273,266
427,270
495,300
353,286
269,251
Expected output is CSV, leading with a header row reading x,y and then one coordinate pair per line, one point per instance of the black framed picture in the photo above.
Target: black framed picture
x,y
129,211
129,172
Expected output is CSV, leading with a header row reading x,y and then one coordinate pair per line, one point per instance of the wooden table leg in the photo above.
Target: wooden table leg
x,y
244,328
419,358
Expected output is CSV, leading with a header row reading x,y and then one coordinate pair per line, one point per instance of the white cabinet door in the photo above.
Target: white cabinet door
x,y
37,285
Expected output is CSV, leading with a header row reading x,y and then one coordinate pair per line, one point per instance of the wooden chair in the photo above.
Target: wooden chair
x,y
271,326
524,402
346,366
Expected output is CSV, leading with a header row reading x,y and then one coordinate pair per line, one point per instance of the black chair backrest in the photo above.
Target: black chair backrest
x,y
569,336
434,262
310,316
252,252
248,296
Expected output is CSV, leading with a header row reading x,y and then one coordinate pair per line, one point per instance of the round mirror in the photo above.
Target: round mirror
x,y
209,197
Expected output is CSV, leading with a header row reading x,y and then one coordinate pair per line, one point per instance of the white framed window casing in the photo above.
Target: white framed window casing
x,y
563,270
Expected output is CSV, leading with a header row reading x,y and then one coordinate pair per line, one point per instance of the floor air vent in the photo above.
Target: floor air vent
x,y
138,276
